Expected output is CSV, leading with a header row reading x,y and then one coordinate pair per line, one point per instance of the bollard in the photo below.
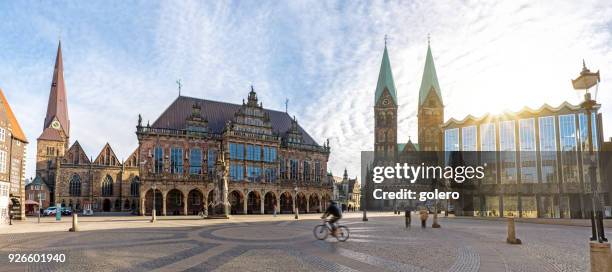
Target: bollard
x,y
511,239
153,216
601,257
75,222
407,219
365,216
435,223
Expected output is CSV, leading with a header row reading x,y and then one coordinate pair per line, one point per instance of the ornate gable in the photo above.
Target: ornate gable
x,y
107,157
293,135
133,159
251,117
195,121
75,155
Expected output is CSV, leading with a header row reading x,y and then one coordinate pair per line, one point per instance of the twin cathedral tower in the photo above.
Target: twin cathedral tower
x,y
430,113
387,149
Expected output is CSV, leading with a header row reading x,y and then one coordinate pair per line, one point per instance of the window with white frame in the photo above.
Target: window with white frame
x,y
2,134
2,161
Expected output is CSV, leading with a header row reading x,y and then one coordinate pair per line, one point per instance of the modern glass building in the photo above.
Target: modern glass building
x,y
537,162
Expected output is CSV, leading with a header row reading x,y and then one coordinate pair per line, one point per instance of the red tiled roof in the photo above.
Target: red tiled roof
x,y
16,129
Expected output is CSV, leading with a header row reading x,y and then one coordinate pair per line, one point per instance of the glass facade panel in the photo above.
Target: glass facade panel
x,y
195,161
510,206
488,143
253,173
176,160
568,144
236,171
159,160
306,171
236,151
212,158
293,169
269,154
468,138
270,174
548,207
477,208
451,139
317,171
527,143
491,206
548,149
253,152
584,147
529,207
507,147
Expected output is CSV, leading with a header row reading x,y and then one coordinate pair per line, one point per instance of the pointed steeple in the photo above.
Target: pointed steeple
x,y
430,78
57,108
385,79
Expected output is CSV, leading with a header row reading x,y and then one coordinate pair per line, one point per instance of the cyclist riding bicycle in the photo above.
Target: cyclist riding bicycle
x,y
335,213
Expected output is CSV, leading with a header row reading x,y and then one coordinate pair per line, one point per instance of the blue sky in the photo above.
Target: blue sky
x,y
122,58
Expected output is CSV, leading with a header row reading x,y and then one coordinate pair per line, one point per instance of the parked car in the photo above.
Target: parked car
x,y
66,211
49,211
52,210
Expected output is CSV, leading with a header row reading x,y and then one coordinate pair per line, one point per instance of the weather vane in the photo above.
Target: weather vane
x,y
286,105
428,39
386,39
180,85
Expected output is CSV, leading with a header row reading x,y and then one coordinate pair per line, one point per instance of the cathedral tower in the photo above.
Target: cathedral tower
x,y
54,140
385,113
431,108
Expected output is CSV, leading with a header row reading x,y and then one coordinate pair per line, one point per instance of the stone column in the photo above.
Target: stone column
x,y
142,205
278,205
262,202
185,204
307,204
163,204
246,204
321,204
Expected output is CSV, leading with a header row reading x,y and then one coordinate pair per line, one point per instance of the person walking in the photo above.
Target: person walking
x,y
407,215
274,208
424,215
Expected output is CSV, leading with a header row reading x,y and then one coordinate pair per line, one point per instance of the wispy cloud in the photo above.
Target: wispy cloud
x,y
122,60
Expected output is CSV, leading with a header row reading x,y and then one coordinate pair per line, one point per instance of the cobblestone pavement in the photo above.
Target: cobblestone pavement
x,y
263,243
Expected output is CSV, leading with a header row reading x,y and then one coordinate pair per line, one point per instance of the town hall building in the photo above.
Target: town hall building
x,y
197,154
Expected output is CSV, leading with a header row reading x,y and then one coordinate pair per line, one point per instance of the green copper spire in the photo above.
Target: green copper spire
x,y
385,79
430,79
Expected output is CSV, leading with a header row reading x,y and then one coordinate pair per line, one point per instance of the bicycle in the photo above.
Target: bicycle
x,y
322,231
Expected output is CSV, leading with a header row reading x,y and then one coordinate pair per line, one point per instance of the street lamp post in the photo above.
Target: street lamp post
x,y
586,80
297,210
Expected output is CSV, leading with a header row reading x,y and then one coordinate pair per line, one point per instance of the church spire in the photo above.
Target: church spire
x,y
430,78
385,78
57,108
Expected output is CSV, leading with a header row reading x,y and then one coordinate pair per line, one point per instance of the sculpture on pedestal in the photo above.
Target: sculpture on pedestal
x,y
220,204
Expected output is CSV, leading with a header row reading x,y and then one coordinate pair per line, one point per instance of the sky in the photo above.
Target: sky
x,y
122,58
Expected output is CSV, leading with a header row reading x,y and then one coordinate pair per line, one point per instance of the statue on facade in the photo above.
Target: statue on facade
x,y
220,203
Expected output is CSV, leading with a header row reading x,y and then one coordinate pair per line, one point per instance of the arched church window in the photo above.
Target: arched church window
x,y
75,185
107,186
135,187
